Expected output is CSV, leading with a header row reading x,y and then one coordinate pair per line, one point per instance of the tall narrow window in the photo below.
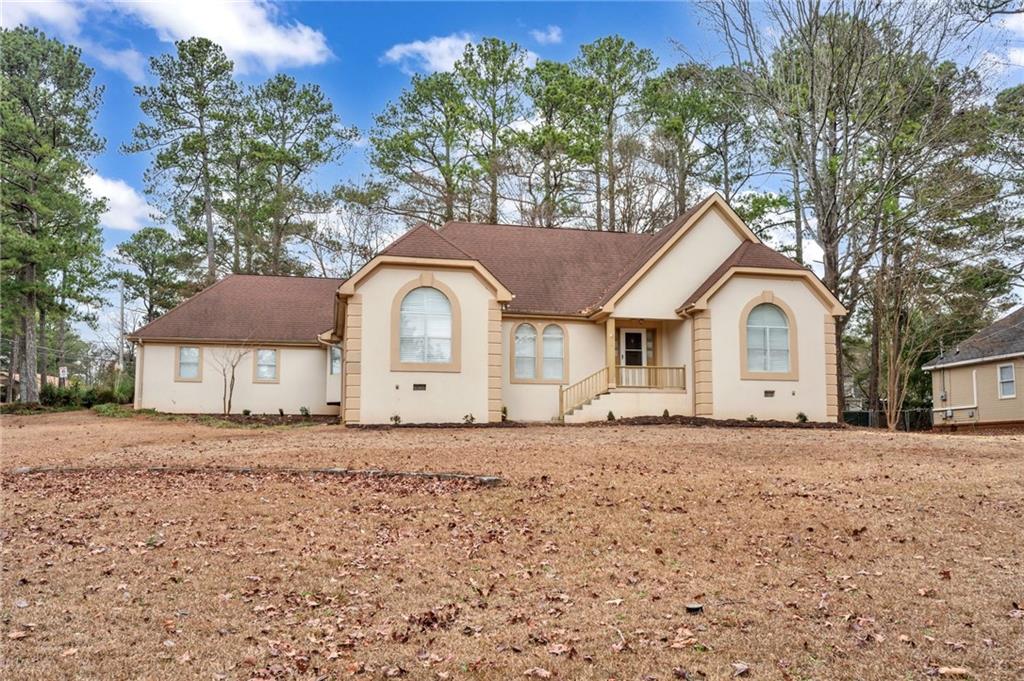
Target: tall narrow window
x,y
1007,382
554,352
425,327
335,359
266,366
767,339
525,351
189,364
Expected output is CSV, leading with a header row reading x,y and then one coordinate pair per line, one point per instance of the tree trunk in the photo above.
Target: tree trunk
x,y
875,362
13,367
597,195
211,266
798,212
30,359
43,354
610,148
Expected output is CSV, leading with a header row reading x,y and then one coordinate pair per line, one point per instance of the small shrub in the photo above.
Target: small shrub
x,y
468,418
280,412
664,414
611,415
504,414
113,410
801,417
396,420
751,418
247,412
304,411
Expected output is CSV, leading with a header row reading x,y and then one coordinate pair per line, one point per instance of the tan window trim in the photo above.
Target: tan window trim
x,y
793,374
538,371
277,365
177,365
426,279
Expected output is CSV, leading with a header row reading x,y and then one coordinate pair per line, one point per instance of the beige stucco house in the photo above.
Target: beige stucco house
x,y
976,383
469,321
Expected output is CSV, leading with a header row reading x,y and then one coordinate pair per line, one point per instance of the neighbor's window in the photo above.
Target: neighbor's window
x,y
335,356
767,339
425,335
188,363
1007,381
526,351
266,365
554,351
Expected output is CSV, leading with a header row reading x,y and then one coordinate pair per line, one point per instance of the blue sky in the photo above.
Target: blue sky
x,y
361,54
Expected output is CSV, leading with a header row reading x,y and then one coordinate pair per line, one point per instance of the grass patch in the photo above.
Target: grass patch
x,y
22,409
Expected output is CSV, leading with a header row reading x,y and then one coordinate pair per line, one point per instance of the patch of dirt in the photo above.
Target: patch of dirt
x,y
825,554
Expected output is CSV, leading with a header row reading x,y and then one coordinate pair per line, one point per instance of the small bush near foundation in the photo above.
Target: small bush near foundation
x,y
801,417
396,420
304,411
468,418
504,414
751,418
280,412
247,412
664,414
611,415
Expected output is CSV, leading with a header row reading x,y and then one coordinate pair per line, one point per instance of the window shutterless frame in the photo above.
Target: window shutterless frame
x,y
198,378
539,357
260,358
1006,378
793,374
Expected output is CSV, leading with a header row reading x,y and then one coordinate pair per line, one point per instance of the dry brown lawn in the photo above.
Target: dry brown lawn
x,y
815,554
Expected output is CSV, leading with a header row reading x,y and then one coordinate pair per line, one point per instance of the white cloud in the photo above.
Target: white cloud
x,y
61,15
438,53
1014,22
552,35
128,61
249,31
126,208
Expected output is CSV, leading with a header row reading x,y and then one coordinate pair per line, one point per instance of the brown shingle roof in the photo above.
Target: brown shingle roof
x,y
551,271
251,308
1004,337
422,241
747,254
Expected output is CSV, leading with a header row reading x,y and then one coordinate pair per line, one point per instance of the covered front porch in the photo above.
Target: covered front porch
x,y
642,355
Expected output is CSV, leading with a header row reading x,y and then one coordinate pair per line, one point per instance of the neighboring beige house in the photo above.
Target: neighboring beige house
x,y
978,382
469,321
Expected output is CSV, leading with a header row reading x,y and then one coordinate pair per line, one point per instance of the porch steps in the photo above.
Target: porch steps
x,y
627,402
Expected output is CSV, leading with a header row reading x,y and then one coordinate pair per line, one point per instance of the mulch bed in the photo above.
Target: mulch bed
x,y
702,422
269,419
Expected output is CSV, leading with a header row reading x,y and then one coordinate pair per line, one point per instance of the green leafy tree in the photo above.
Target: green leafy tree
x,y
48,220
418,148
615,71
156,262
188,111
491,74
560,145
296,132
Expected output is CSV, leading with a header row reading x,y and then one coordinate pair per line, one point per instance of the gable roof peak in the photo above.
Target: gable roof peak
x,y
423,241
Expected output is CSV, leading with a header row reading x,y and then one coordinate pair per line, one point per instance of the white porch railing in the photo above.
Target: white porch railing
x,y
650,377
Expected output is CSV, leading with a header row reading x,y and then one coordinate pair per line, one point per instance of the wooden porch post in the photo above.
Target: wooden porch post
x,y
609,326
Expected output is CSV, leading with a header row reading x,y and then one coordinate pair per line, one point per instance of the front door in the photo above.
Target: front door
x,y
633,353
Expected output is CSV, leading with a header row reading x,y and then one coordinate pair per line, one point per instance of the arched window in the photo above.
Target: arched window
x,y
767,339
525,351
425,335
554,352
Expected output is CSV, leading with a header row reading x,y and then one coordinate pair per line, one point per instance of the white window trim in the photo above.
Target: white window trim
x,y
999,381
